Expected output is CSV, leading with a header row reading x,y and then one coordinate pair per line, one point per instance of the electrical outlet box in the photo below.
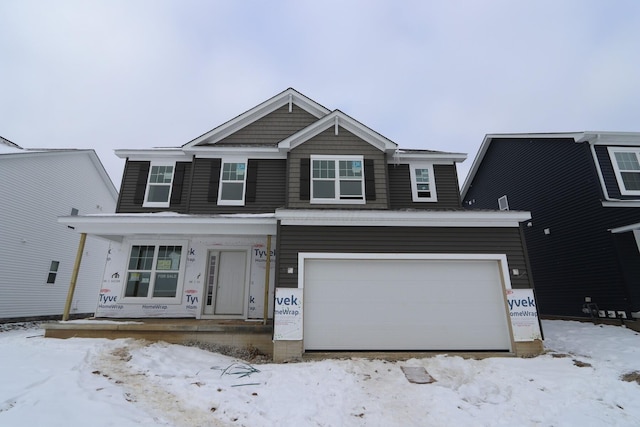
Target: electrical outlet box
x,y
611,314
622,314
601,313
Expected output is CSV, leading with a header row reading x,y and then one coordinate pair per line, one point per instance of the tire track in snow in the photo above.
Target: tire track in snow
x,y
166,407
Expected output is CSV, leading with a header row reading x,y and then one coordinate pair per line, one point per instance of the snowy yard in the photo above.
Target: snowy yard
x,y
97,382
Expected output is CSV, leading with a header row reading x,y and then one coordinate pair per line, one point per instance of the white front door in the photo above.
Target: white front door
x,y
226,283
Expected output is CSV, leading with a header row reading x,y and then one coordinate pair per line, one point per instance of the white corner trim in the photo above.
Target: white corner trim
x,y
501,259
380,218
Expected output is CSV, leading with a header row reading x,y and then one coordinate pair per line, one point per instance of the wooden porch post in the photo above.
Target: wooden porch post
x,y
267,275
74,277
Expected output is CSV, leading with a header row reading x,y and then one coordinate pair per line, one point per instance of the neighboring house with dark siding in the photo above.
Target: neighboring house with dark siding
x,y
367,242
583,191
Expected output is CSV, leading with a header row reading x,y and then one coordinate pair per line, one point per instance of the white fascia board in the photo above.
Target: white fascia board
x,y
347,123
214,152
443,158
376,218
259,111
160,224
626,228
610,138
176,154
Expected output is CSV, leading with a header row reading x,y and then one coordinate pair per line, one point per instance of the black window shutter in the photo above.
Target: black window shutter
x,y
141,184
178,179
214,179
305,179
369,180
252,181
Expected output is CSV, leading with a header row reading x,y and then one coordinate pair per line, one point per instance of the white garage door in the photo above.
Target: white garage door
x,y
404,304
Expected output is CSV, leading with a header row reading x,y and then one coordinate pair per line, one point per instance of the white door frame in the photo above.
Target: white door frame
x,y
247,279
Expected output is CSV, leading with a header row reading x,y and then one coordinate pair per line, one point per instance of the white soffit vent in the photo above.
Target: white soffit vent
x,y
503,203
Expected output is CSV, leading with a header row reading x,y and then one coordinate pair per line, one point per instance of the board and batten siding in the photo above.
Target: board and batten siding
x,y
343,144
426,240
559,185
272,128
36,189
446,182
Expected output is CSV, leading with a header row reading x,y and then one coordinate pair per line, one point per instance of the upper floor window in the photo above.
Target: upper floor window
x,y
337,179
423,187
626,165
154,271
159,185
233,179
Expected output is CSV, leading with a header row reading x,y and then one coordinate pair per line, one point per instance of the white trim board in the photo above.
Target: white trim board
x,y
380,218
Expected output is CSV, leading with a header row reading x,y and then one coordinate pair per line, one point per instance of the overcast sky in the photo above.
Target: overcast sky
x,y
434,75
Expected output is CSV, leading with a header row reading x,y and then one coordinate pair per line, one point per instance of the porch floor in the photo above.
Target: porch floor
x,y
236,333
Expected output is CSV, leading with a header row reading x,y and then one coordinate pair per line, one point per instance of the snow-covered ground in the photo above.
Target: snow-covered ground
x,y
97,382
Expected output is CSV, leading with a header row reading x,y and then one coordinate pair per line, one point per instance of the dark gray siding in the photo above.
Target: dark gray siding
x,y
272,128
556,180
446,180
295,239
345,143
269,190
134,183
629,257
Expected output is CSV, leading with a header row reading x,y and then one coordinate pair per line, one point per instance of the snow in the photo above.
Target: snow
x,y
99,382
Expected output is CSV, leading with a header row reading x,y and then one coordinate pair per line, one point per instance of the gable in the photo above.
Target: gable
x,y
289,98
270,129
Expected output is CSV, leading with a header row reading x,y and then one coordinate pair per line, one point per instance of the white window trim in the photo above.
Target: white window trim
x,y
414,184
618,172
147,204
224,160
180,285
337,199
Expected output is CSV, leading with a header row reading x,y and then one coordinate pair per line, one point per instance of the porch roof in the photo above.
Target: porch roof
x,y
116,226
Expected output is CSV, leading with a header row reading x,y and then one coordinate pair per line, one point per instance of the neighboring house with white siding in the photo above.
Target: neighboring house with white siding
x,y
37,254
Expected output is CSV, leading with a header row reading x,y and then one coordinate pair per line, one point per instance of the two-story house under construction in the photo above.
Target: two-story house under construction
x,y
298,213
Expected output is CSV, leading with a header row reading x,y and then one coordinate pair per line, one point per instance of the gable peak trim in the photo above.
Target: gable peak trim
x,y
289,96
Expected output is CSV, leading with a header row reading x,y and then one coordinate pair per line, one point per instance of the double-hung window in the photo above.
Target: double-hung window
x,y
337,179
233,179
154,271
423,187
626,165
159,183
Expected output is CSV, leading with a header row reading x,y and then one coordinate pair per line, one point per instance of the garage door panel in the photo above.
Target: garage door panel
x,y
404,305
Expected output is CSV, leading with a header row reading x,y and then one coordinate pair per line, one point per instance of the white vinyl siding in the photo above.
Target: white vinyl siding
x,y
37,188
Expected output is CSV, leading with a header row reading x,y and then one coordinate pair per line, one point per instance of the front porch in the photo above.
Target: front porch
x,y
235,333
